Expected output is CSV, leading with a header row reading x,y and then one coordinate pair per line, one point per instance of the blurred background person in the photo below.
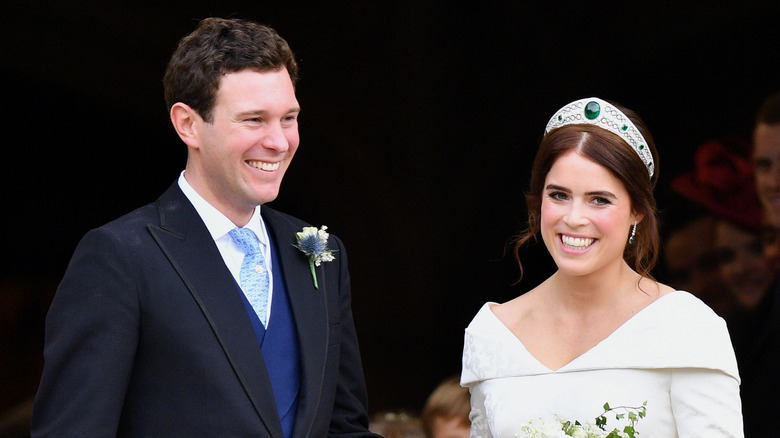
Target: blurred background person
x,y
446,412
741,263
722,183
758,349
689,262
766,157
396,425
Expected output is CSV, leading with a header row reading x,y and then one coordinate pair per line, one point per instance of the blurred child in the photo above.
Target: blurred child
x,y
446,412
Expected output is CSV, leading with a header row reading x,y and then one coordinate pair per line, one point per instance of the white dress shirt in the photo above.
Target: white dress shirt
x,y
219,226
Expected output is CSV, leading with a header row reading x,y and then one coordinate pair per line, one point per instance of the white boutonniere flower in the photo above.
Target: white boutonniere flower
x,y
314,243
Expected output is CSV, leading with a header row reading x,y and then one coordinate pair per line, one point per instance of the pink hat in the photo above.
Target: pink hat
x,y
722,182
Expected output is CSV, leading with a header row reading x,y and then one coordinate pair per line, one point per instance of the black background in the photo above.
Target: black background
x,y
419,123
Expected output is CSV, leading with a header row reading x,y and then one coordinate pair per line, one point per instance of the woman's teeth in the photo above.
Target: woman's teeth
x,y
576,242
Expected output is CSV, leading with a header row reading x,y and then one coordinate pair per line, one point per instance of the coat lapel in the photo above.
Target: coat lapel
x,y
310,311
185,240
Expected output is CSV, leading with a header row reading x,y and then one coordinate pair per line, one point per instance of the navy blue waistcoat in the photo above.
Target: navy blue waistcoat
x,y
279,345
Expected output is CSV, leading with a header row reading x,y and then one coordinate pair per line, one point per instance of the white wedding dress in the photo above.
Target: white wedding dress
x,y
675,354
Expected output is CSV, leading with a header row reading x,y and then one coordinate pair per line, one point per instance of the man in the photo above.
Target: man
x,y
766,156
157,328
757,336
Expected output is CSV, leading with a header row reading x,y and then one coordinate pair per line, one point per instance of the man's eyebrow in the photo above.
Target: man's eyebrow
x,y
260,112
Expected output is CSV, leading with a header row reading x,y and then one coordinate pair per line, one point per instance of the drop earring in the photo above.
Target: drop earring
x,y
633,232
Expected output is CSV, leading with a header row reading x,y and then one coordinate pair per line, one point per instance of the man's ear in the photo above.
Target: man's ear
x,y
185,121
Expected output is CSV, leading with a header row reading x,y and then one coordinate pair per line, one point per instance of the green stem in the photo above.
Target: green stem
x,y
313,273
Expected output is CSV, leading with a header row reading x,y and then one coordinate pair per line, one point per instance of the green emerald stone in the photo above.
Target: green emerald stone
x,y
624,127
560,117
592,110
641,146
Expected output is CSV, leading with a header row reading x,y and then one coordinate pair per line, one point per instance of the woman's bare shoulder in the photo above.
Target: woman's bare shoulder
x,y
655,288
520,305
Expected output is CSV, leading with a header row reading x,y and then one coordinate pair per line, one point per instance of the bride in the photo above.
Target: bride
x,y
600,329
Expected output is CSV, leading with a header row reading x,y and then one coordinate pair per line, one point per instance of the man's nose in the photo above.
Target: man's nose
x,y
275,138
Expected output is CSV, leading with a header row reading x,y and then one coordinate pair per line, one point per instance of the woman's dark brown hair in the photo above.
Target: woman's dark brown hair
x,y
612,152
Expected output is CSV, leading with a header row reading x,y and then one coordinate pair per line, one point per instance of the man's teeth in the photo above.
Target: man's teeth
x,y
263,165
576,242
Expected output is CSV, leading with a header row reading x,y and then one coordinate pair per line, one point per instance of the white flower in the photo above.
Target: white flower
x,y
552,430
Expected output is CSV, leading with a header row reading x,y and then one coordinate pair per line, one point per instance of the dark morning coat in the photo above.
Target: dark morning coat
x,y
148,336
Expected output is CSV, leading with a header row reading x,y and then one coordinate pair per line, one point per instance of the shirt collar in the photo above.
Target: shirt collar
x,y
217,223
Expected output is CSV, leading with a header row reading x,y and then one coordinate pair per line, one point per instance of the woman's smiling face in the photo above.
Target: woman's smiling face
x,y
586,215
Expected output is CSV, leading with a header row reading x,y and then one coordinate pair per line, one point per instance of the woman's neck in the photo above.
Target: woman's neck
x,y
597,290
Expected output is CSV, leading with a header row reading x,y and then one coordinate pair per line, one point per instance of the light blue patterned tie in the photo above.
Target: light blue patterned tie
x,y
254,276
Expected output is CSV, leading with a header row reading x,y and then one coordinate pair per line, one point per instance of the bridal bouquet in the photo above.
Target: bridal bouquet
x,y
590,429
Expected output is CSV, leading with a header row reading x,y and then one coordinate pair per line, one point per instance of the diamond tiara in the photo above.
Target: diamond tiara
x,y
595,111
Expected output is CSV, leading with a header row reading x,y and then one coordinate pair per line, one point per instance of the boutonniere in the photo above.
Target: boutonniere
x,y
314,243
590,429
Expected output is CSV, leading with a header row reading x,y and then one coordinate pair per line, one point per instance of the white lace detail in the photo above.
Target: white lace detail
x,y
479,426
